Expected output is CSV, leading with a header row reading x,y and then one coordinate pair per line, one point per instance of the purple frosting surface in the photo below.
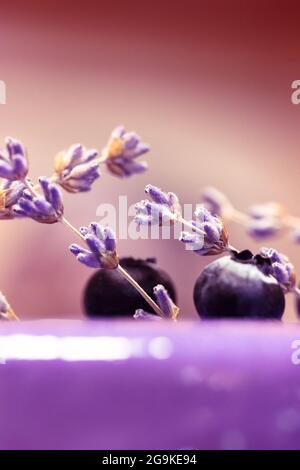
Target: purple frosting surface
x,y
149,385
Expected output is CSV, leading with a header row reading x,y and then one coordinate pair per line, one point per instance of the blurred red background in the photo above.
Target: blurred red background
x,y
207,84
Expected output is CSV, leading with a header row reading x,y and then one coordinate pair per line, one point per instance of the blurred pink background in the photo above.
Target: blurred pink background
x,y
207,84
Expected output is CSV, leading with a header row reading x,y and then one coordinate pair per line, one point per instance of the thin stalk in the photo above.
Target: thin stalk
x,y
65,222
190,225
144,294
12,316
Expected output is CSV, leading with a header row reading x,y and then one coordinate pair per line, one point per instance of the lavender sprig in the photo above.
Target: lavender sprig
x,y
13,160
206,235
261,220
102,253
121,152
164,301
46,209
76,169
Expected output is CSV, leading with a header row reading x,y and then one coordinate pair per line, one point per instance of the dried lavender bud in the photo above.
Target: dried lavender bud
x,y
13,161
216,202
121,152
165,303
265,220
46,210
101,242
214,237
163,207
77,168
280,267
10,193
264,228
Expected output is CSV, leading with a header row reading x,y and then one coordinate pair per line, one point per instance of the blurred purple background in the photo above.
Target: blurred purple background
x,y
206,84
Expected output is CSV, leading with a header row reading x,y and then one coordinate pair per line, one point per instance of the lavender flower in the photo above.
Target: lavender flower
x,y
13,161
46,209
216,202
10,193
163,207
214,237
166,304
280,267
77,168
101,242
264,228
265,220
121,152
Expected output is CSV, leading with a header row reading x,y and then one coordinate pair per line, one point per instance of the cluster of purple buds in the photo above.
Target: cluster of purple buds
x,y
101,243
165,303
162,208
46,209
265,220
121,153
77,168
280,267
13,161
209,236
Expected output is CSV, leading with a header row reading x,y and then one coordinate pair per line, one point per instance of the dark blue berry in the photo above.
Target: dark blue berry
x,y
108,294
238,286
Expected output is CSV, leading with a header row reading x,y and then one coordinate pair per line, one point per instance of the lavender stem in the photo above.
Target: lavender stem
x,y
190,225
124,273
148,299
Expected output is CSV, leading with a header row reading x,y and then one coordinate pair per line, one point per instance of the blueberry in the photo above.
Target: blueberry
x,y
238,286
108,294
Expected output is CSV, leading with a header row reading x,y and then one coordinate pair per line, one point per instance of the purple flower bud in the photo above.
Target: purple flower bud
x,y
122,150
47,209
164,207
77,168
101,242
164,301
264,227
13,161
140,314
281,268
